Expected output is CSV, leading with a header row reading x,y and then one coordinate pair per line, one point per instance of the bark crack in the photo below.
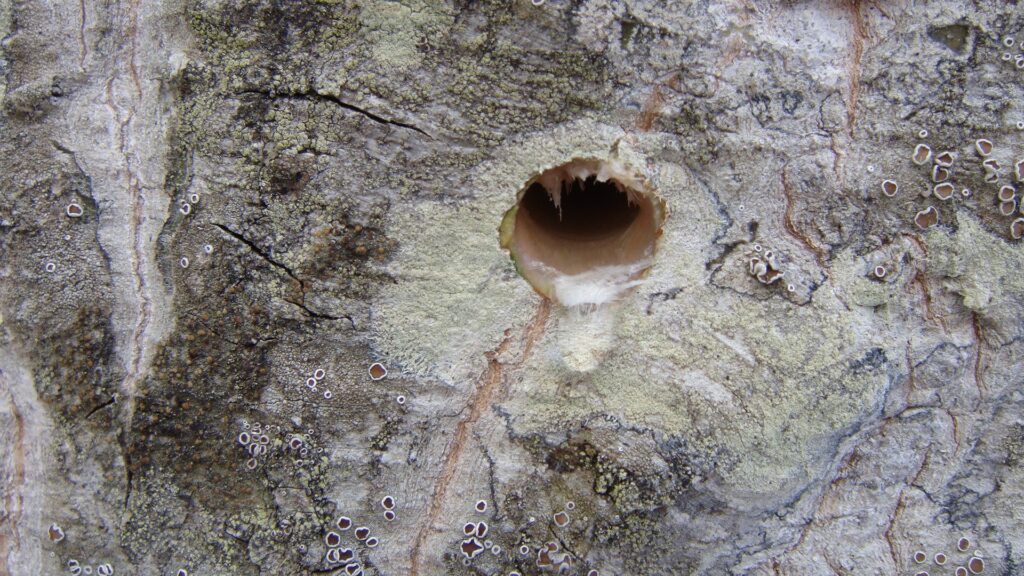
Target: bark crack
x,y
787,220
287,270
123,108
260,252
820,255
979,382
100,407
83,52
314,95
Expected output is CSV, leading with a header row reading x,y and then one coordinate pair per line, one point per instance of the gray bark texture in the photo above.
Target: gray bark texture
x,y
251,286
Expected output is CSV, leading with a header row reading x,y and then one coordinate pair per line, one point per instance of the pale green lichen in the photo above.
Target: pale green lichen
x,y
860,288
396,30
983,269
687,371
765,382
457,291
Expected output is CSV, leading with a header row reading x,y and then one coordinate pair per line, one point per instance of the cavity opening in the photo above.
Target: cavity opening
x,y
584,232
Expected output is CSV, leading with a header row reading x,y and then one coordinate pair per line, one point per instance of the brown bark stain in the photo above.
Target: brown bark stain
x,y
133,32
482,399
831,493
787,219
901,505
835,568
916,241
893,552
911,378
735,43
825,499
820,255
921,281
955,423
856,53
83,50
655,103
979,382
926,298
838,154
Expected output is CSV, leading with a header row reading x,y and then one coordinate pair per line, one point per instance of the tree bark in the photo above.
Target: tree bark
x,y
257,316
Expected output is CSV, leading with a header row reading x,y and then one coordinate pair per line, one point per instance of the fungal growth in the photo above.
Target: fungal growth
x,y
471,547
922,153
584,232
943,191
765,267
927,218
1017,229
1007,194
945,159
56,533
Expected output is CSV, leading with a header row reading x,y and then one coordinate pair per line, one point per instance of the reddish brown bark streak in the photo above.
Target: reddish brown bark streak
x,y
856,52
655,102
482,398
787,219
978,381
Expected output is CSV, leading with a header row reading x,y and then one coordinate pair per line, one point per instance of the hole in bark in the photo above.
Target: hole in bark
x,y
584,232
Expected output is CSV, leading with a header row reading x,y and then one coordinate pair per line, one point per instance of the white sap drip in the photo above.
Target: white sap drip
x,y
598,286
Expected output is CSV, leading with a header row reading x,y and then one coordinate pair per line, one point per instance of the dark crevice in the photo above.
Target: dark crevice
x,y
490,479
724,251
129,475
262,253
661,297
98,408
588,209
319,315
313,95
287,270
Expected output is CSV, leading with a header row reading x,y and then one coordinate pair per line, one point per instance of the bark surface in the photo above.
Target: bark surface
x,y
251,286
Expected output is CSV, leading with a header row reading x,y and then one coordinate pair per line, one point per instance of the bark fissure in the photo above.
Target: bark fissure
x,y
284,268
314,95
260,252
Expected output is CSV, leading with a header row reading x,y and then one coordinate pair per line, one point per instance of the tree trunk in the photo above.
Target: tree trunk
x,y
754,306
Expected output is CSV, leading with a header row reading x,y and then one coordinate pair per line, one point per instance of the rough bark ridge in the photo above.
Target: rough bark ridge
x,y
216,217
